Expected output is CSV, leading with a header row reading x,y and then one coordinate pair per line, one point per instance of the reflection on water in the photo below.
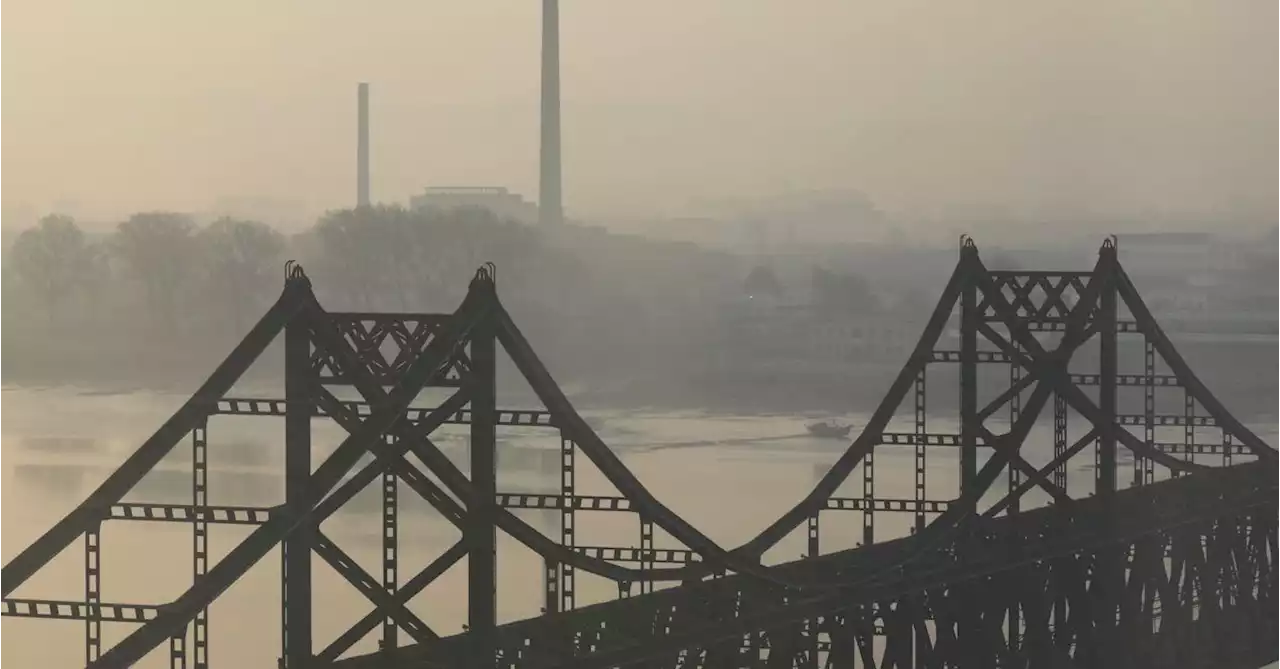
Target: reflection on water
x,y
63,445
55,480
728,475
244,453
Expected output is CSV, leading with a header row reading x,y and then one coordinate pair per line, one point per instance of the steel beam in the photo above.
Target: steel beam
x,y
968,357
261,406
107,612
480,529
1106,318
295,574
200,518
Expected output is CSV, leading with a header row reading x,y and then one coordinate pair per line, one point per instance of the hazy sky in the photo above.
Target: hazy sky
x,y
1126,104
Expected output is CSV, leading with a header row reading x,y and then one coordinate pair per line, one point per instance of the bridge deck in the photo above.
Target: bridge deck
x,y
887,569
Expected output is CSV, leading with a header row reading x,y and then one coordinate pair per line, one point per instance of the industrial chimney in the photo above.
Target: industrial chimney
x,y
362,146
550,211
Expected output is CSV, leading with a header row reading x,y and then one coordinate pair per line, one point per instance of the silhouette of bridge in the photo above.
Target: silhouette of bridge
x,y
1168,563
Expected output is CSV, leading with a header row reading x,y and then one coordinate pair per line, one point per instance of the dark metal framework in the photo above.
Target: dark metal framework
x,y
1123,574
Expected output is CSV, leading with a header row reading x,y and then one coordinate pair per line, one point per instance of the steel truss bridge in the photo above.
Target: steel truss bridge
x,y
1167,560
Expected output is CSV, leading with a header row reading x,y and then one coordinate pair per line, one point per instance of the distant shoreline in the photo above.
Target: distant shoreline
x,y
1240,377
1253,405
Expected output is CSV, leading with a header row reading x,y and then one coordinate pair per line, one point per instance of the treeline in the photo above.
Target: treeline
x,y
162,296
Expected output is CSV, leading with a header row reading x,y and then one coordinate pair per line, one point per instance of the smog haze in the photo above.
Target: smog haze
x,y
1113,108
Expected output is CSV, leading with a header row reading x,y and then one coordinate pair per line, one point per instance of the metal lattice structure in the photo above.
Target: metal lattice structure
x,y
1176,560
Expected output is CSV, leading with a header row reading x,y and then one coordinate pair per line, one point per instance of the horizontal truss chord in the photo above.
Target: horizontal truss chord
x,y
526,500
1059,324
954,356
904,505
930,439
240,406
108,612
631,554
1159,380
246,515
1166,420
1201,449
186,513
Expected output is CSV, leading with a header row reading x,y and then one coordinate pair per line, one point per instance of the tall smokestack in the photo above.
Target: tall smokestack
x,y
550,210
362,147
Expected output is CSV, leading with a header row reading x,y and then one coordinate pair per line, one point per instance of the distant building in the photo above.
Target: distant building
x,y
498,200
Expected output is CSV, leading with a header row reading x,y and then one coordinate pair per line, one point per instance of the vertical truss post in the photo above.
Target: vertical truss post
x,y
1015,481
921,448
481,527
200,536
551,585
646,552
1189,432
390,545
1015,412
1143,468
1059,439
1108,576
295,636
968,386
178,650
567,520
1106,456
814,541
93,593
868,494
1097,463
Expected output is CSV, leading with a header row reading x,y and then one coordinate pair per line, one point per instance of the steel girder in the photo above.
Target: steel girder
x,y
1162,558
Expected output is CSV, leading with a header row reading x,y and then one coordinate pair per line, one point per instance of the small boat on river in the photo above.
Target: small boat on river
x,y
829,429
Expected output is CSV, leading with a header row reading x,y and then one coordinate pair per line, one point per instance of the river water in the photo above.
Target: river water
x,y
728,475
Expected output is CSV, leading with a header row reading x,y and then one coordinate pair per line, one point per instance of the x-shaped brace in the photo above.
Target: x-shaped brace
x,y
1061,381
